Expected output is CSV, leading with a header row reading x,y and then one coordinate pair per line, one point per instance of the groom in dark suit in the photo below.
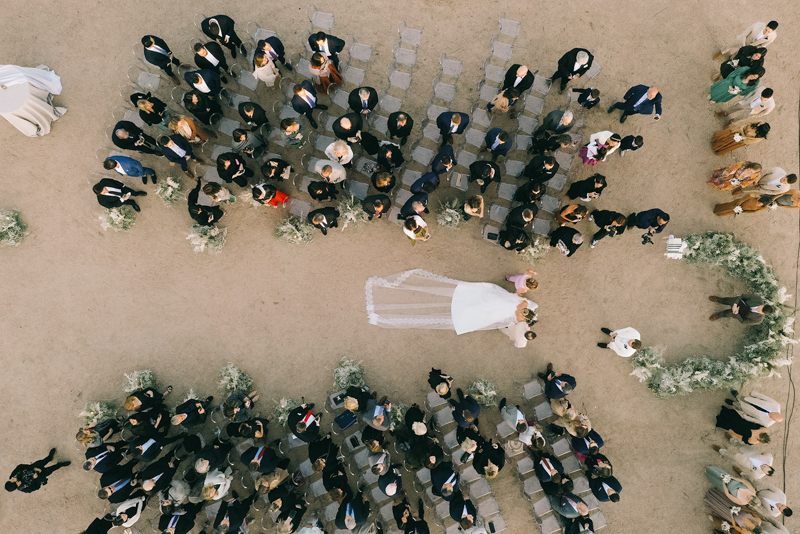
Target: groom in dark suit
x,y
113,194
327,45
273,49
209,56
324,218
305,100
639,99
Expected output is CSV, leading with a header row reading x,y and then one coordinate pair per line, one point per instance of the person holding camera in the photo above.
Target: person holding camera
x,y
654,221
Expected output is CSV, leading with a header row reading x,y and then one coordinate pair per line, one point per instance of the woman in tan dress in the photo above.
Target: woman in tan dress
x,y
324,73
186,128
503,101
741,174
747,204
738,135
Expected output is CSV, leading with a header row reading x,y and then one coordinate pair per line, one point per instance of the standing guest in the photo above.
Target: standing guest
x,y
390,157
739,175
520,333
757,465
353,511
348,127
607,139
530,192
324,73
474,207
630,142
747,56
152,110
363,100
624,341
331,171
322,191
273,48
524,282
654,221
292,133
113,194
757,408
128,513
497,142
416,204
128,136
463,511
757,34
610,223
466,410
556,385
186,128
751,203
265,70
202,106
748,309
276,169
569,505
221,29
204,80
383,181
773,181
399,125
130,167
376,205
557,121
103,458
517,77
484,173
191,413
304,423
247,142
738,135
740,82
416,229
444,161
158,475
738,428
145,399
340,152
757,104
157,53
548,141
305,100
28,478
209,56
639,99
572,65
605,489
513,238
202,215
587,98
451,123
773,501
178,151
327,45
427,183
253,115
182,521
232,514
503,101
572,214
592,153
118,484
737,490
323,453
440,382
541,168
324,218
521,216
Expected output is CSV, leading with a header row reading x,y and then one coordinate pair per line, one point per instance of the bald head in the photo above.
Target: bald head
x,y
522,71
346,124
652,93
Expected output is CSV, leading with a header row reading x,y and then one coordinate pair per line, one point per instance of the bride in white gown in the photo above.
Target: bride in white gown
x,y
419,299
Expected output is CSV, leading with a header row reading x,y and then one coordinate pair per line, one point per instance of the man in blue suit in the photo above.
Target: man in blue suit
x,y
204,80
569,506
129,167
556,385
177,150
273,48
498,142
426,183
305,100
466,410
639,99
451,122
605,489
415,205
444,160
546,466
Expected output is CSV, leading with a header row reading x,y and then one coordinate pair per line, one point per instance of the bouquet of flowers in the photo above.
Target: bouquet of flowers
x,y
94,412
295,230
538,248
121,218
484,392
348,373
451,213
398,416
139,380
12,229
169,190
351,211
208,238
283,409
233,379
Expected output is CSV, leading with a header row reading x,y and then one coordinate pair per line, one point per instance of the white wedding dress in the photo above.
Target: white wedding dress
x,y
419,299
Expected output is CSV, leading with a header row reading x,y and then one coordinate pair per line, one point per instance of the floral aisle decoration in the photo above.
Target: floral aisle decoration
x,y
169,190
398,416
283,409
12,229
232,380
348,373
295,230
122,218
538,248
451,213
139,380
764,345
484,392
94,412
351,210
207,238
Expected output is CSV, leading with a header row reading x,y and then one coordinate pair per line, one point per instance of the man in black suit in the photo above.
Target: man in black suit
x,y
484,172
348,128
202,215
157,476
324,218
157,53
303,423
352,512
363,100
557,121
201,106
231,168
253,115
209,56
463,511
566,239
444,481
113,194
128,136
221,29
178,151
117,484
102,458
400,125
541,168
518,77
263,460
572,65
182,522
376,205
272,47
233,512
327,45
305,100
204,80
451,123
28,478
521,216
415,205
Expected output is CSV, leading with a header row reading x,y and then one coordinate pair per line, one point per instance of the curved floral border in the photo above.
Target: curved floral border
x,y
763,349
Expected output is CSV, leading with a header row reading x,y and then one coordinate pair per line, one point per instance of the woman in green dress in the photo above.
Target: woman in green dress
x,y
740,82
738,490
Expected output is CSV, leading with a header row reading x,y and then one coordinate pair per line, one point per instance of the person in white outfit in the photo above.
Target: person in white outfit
x,y
607,138
751,461
130,511
769,527
773,502
265,70
773,181
520,333
757,104
758,34
758,408
625,341
330,171
217,484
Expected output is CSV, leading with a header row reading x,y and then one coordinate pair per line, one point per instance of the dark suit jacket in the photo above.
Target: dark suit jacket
x,y
215,50
357,124
205,107
551,389
596,484
225,26
515,219
745,302
568,60
436,165
395,160
269,460
298,413
400,132
107,462
371,201
551,120
444,119
392,476
439,475
335,45
541,473
156,58
259,115
646,108
199,213
469,403
530,192
407,210
487,451
323,448
120,472
355,102
159,467
300,105
330,214
579,444
511,76
111,201
431,177
457,507
536,172
478,168
233,168
236,512
562,506
133,135
209,76
360,510
172,156
565,235
185,522
491,136
277,46
603,218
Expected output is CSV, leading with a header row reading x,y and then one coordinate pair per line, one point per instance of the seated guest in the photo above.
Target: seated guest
x,y
334,480
489,459
391,482
587,189
269,194
253,115
598,466
145,399
556,385
204,80
150,423
182,521
541,168
444,160
114,194
118,484
484,173
216,485
401,511
383,181
322,191
356,399
376,205
748,309
324,218
415,205
178,151
564,486
378,414
348,127
331,171
569,505
605,489
103,458
440,382
231,514
389,157
202,215
127,136
530,192
589,444
247,142
231,168
209,56
466,410
147,449
444,481
276,169
427,183
304,423
238,407
191,413
497,142
322,453
353,511
158,475
513,238
152,110
129,167
415,420
263,460
572,214
400,125
521,216
363,100
202,106
547,467
463,511
567,240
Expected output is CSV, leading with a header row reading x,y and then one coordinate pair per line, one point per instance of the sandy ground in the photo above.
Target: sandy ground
x,y
83,306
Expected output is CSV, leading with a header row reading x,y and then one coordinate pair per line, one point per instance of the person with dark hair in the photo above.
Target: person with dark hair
x,y
221,29
610,223
738,135
444,161
541,168
390,157
324,218
589,444
191,413
474,207
556,385
747,56
204,80
571,214
503,101
463,511
202,215
484,173
273,48
305,101
118,484
549,141
740,82
749,461
498,142
276,169
748,309
587,98
530,192
739,428
322,191
630,142
147,449
177,150
451,123
569,506
128,136
624,341
103,458
605,489
233,512
324,73
129,167
444,481
304,423
150,423
598,466
547,467
605,139
639,99
376,205
181,521
466,410
327,45
578,525
427,183
757,104
654,221
757,34
209,56
263,459
253,115
157,53
592,153
231,168
28,478
114,194
512,238
572,65
399,125
247,142
521,216
202,106
773,501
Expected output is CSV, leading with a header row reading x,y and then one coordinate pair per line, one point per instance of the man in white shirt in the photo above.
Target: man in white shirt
x,y
331,172
759,103
625,341
773,181
773,502
749,461
758,34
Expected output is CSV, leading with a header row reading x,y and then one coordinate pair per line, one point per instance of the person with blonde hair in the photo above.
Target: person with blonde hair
x,y
96,433
440,382
186,128
152,110
340,152
144,399
217,484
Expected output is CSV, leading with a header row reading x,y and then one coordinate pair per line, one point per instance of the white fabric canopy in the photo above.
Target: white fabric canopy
x,y
32,114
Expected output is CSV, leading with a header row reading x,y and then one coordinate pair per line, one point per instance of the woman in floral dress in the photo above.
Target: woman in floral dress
x,y
741,174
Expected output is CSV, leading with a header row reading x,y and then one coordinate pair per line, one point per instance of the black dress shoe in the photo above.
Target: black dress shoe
x,y
313,123
603,345
288,67
729,402
502,403
140,193
623,118
605,331
734,393
144,178
223,78
135,206
403,141
153,177
610,109
233,53
243,49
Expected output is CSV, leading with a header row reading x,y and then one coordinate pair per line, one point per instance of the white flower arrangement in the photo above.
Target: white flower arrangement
x,y
295,230
735,510
764,346
538,248
207,238
12,229
192,395
139,380
726,527
352,211
737,210
726,478
348,373
283,409
94,412
484,392
451,213
169,190
398,416
232,380
122,218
